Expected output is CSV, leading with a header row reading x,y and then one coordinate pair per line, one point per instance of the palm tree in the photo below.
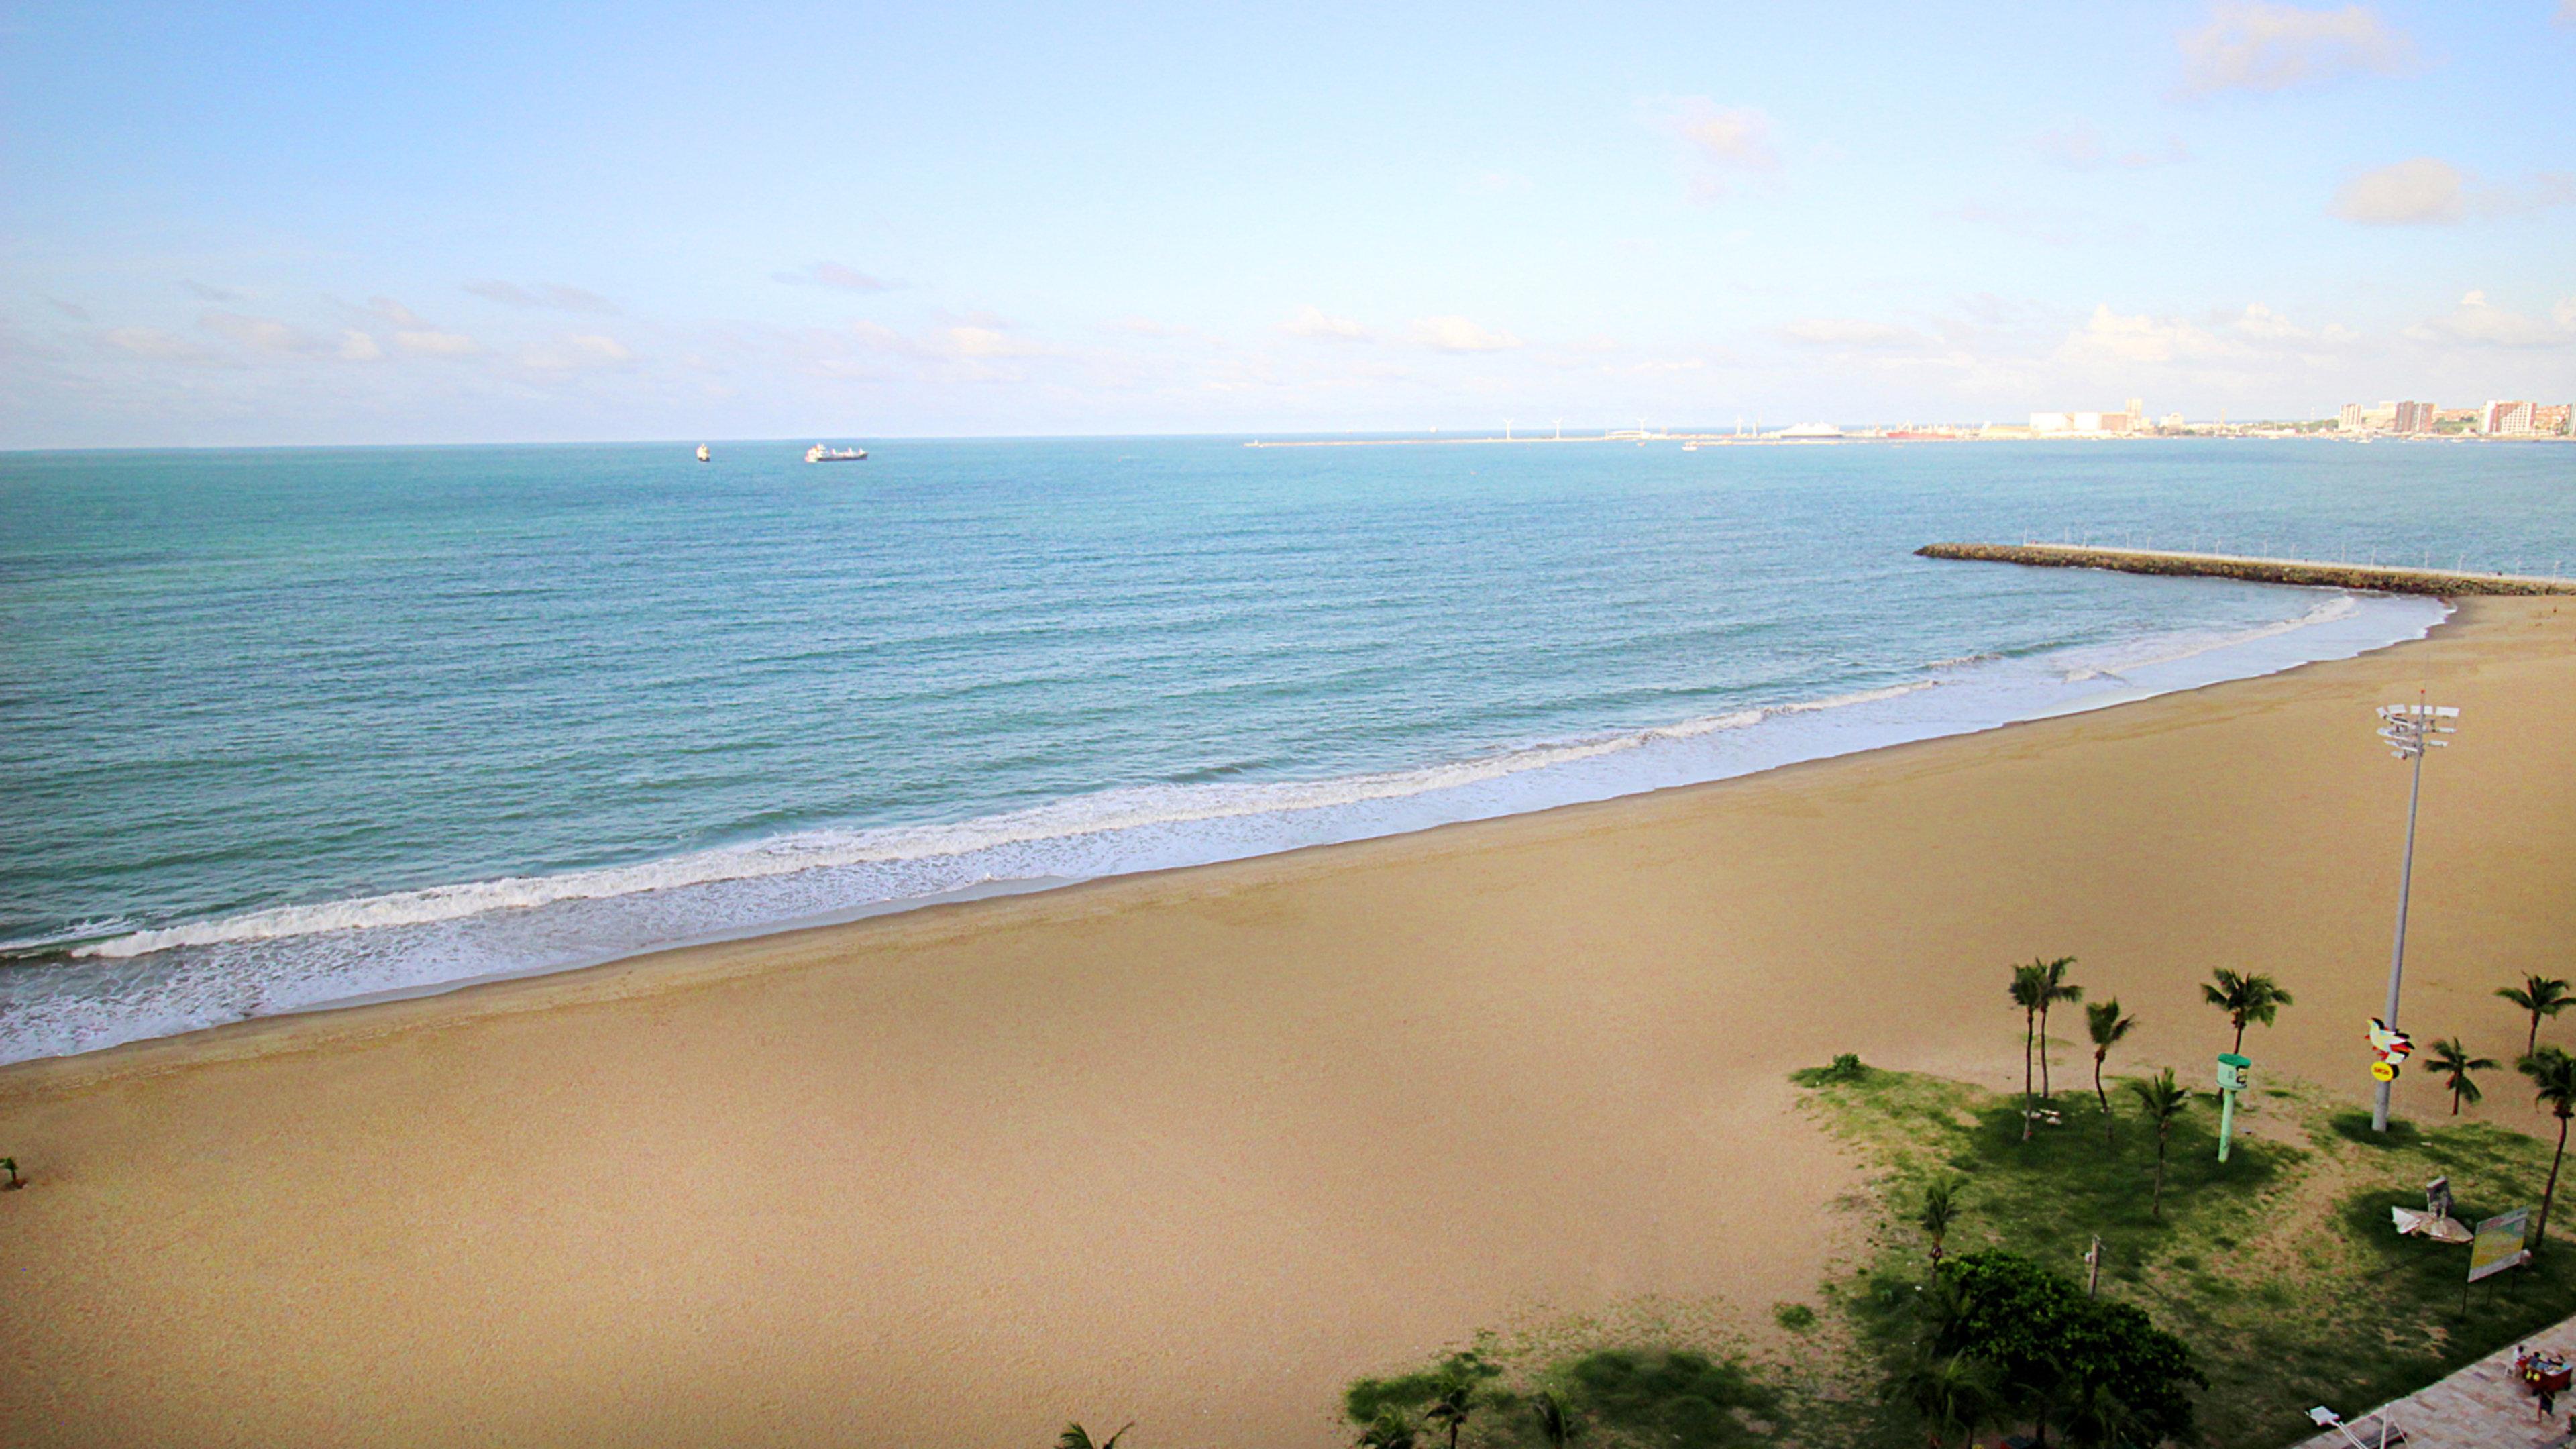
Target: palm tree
x,y
1940,1209
2029,991
2109,1027
2164,1099
2453,1061
1556,1423
2553,1079
1952,1395
2095,1416
1077,1437
1390,1430
2244,999
2057,991
2541,996
1456,1400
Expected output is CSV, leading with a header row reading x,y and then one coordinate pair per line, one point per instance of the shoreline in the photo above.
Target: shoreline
x,y
1939,700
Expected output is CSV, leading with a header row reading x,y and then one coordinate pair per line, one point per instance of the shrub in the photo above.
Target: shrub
x,y
2057,1348
1682,1400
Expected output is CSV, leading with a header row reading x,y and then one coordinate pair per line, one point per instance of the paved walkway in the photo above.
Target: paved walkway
x,y
2482,1406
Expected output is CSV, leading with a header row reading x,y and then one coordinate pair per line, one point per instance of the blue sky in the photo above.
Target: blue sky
x,y
334,224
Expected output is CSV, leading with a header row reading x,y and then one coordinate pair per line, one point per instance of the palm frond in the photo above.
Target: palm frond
x,y
1555,1422
2163,1097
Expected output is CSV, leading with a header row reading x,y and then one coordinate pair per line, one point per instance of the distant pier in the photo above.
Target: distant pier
x,y
2375,578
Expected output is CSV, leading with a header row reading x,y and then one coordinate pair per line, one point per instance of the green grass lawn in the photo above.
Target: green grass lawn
x,y
2280,1267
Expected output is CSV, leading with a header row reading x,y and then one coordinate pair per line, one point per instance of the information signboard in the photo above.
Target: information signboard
x,y
2499,1244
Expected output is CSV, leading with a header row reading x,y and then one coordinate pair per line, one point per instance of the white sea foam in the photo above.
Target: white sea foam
x,y
167,979
2173,649
76,934
1108,812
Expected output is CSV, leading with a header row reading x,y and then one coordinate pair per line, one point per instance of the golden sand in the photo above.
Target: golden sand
x,y
1193,1149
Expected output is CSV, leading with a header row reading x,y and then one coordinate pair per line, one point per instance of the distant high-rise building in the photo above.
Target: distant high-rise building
x,y
2173,422
2349,420
2506,420
2137,408
2552,420
2414,417
2051,423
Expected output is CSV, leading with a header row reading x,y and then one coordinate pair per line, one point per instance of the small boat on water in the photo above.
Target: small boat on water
x,y
821,454
703,454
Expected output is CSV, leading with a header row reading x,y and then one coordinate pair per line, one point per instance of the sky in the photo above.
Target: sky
x,y
250,224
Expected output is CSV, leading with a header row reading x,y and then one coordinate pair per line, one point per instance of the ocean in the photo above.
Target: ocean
x,y
286,728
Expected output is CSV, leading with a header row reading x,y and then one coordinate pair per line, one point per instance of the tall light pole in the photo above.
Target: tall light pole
x,y
2410,730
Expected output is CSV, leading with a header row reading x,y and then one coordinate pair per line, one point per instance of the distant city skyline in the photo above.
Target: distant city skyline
x,y
268,224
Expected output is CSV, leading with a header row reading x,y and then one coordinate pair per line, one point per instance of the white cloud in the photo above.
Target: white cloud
x,y
985,342
437,344
1739,136
835,275
964,345
2268,47
2080,147
2239,349
154,343
205,293
394,312
2567,12
264,334
1313,321
543,294
574,352
73,310
2109,336
2057,227
1457,334
1139,325
2426,191
357,346
2408,193
2263,323
2477,322
1724,144
1848,332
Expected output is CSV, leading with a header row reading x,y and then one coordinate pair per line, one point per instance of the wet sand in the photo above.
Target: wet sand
x,y
1194,1149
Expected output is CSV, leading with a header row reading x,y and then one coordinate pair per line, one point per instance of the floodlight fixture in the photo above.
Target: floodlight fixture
x,y
2410,731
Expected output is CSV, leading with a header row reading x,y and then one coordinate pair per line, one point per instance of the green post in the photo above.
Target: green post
x,y
2231,1080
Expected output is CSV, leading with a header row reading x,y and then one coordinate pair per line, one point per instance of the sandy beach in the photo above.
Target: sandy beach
x,y
1195,1149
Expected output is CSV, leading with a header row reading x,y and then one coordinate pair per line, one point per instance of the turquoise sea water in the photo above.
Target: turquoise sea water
x,y
281,728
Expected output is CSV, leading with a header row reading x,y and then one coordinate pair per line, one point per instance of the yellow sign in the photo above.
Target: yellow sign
x,y
2382,1071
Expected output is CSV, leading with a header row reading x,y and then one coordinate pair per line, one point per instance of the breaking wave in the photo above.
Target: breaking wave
x,y
101,983
1111,811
